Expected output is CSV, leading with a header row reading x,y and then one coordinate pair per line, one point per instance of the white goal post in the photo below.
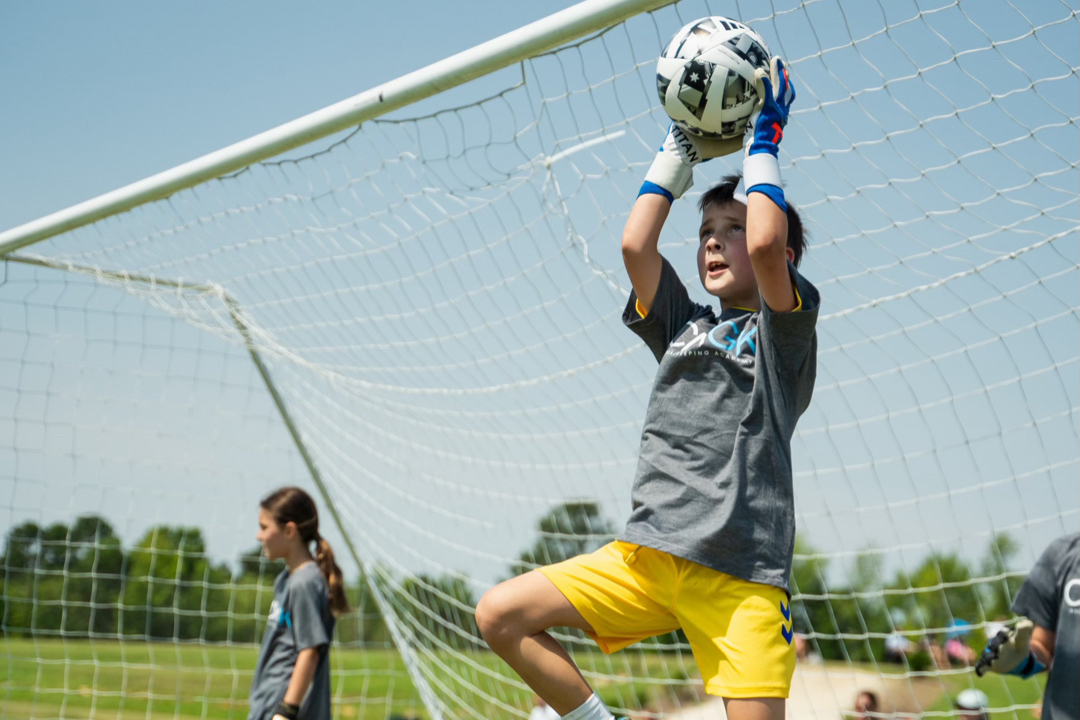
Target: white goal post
x,y
409,303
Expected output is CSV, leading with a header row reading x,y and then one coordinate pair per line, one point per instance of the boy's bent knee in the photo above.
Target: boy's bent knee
x,y
523,606
495,614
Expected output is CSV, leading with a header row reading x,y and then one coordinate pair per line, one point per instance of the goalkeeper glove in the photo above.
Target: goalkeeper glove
x,y
1009,653
672,171
761,165
285,711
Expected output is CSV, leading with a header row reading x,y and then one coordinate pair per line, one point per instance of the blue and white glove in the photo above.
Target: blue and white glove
x,y
761,165
672,171
1010,653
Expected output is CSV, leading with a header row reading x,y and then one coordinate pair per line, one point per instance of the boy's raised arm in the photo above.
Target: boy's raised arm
x,y
766,209
639,246
766,242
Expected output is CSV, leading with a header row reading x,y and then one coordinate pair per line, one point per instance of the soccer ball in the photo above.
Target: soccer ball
x,y
706,77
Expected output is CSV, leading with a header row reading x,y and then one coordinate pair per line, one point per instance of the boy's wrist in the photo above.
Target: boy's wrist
x,y
761,173
651,188
761,168
669,175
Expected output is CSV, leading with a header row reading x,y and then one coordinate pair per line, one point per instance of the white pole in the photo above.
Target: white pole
x,y
543,35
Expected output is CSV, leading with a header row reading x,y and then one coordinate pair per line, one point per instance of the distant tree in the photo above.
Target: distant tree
x,y
61,577
842,617
172,590
22,546
94,561
942,592
53,547
809,607
567,530
365,624
938,592
441,610
999,593
871,609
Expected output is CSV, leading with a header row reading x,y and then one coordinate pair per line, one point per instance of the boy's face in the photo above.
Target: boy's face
x,y
723,261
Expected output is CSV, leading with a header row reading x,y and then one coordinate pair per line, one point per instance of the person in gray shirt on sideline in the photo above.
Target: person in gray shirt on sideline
x,y
292,677
1047,634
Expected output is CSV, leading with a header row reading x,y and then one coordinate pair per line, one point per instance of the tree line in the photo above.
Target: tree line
x,y
78,580
848,619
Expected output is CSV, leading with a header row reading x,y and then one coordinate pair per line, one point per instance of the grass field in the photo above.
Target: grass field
x,y
153,681
1003,692
108,679
936,692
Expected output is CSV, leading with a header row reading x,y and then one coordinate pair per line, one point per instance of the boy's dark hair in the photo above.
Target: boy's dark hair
x,y
724,192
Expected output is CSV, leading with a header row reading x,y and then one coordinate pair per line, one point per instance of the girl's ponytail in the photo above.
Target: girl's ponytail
x,y
293,505
324,557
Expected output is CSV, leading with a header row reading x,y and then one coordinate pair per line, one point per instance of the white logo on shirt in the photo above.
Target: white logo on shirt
x,y
681,347
726,337
275,613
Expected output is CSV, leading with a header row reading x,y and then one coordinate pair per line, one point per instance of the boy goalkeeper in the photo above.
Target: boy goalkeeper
x,y
709,542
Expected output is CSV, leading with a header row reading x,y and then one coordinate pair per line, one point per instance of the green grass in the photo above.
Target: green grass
x,y
1003,692
110,679
153,681
158,681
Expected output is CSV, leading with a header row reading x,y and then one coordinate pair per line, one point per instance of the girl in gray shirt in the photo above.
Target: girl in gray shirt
x,y
292,677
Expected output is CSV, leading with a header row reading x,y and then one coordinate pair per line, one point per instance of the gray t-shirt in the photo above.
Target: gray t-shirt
x,y
299,618
1050,597
713,480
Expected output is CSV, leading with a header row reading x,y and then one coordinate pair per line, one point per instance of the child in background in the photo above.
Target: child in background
x,y
292,677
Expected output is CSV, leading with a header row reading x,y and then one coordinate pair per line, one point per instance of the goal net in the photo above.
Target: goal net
x,y
418,320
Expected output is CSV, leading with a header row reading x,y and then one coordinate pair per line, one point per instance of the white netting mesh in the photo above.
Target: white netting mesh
x,y
437,299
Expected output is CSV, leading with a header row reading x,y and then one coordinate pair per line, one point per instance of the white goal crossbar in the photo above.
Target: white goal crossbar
x,y
537,37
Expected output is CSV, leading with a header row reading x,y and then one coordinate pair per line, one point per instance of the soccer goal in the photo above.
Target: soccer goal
x,y
409,303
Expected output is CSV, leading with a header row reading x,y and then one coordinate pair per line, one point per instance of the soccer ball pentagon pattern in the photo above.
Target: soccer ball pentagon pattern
x,y
705,77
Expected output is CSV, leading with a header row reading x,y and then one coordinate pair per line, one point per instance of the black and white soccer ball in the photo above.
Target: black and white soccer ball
x,y
705,77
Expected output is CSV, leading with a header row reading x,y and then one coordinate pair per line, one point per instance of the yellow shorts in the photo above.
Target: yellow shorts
x,y
740,631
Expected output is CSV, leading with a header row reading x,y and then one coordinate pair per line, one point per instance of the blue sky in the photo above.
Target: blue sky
x,y
97,95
